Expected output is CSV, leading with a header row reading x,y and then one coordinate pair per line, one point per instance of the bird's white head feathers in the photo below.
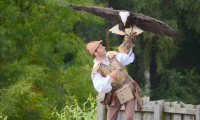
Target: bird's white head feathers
x,y
124,16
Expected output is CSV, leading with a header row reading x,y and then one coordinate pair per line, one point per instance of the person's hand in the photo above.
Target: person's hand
x,y
114,73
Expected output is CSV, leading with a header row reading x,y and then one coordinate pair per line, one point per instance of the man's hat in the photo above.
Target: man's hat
x,y
92,46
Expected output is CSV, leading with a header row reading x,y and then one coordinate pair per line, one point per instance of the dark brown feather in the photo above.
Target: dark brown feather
x,y
106,13
143,22
153,25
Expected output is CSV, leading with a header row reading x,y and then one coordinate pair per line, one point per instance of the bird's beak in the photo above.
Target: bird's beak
x,y
124,24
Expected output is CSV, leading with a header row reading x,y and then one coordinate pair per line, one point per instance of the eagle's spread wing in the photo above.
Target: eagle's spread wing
x,y
106,13
153,25
143,22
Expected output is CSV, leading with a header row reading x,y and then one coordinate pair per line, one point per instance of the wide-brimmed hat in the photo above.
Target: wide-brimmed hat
x,y
92,46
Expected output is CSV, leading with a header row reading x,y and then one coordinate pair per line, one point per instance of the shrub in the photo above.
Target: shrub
x,y
75,112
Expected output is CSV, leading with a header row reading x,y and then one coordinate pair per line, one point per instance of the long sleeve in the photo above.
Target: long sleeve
x,y
124,58
102,84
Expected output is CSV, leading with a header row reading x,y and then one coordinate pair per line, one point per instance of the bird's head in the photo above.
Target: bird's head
x,y
124,15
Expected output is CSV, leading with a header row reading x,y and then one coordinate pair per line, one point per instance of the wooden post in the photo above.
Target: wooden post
x,y
197,113
147,115
167,115
101,109
175,116
188,107
158,111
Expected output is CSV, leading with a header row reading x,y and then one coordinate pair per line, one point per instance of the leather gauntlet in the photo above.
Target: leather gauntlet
x,y
127,43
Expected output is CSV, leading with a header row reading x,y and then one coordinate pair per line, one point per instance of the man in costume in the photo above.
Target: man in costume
x,y
110,79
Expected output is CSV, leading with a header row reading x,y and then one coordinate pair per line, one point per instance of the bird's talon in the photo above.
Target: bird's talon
x,y
126,37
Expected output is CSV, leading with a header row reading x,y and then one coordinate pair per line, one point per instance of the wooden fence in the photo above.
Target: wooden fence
x,y
158,110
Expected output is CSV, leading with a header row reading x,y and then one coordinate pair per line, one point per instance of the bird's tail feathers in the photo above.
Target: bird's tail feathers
x,y
116,30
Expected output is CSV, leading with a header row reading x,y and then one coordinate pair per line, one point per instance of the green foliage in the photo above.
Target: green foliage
x,y
31,94
78,73
36,76
177,86
43,61
183,78
75,112
2,117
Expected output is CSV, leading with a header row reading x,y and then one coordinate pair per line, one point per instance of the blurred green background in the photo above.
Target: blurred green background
x,y
44,64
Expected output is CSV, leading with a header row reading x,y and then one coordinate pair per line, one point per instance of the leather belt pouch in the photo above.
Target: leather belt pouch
x,y
109,99
124,94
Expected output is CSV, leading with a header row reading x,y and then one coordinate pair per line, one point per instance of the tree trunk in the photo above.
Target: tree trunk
x,y
107,39
147,80
107,34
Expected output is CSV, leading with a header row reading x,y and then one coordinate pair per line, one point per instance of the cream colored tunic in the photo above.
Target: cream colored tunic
x,y
102,84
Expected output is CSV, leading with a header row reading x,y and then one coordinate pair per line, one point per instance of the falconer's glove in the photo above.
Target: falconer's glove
x,y
127,43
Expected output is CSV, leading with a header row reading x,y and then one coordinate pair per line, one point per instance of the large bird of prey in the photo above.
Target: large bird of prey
x,y
128,21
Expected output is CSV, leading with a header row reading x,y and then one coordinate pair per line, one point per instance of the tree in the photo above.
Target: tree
x,y
40,58
185,65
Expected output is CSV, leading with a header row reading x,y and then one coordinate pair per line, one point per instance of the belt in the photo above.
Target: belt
x,y
126,76
114,88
